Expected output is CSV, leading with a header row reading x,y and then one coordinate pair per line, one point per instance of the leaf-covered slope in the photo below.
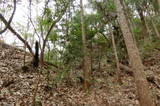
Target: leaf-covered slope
x,y
17,87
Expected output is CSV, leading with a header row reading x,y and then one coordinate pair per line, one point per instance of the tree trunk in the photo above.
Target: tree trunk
x,y
42,56
145,30
128,17
99,59
138,69
148,30
86,61
91,56
153,24
155,28
116,57
158,4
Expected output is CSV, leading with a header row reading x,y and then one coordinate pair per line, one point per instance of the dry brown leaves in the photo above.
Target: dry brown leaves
x,y
16,87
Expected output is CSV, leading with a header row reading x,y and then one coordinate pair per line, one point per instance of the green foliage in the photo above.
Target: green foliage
x,y
51,56
60,75
46,21
53,36
111,6
137,31
155,4
148,47
94,33
74,47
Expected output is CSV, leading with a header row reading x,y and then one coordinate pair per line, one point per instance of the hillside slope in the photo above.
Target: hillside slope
x,y
17,87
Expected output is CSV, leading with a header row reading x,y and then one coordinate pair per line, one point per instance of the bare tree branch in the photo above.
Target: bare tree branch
x,y
30,18
16,33
10,20
46,4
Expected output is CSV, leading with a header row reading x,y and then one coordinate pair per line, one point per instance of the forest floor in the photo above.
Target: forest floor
x,y
17,87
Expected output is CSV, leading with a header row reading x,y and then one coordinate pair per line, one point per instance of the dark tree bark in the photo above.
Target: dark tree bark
x,y
36,55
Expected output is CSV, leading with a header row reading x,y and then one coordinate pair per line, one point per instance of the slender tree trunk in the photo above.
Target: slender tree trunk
x,y
91,56
48,57
145,30
24,61
42,56
158,4
86,61
155,29
116,57
153,24
148,30
138,69
99,59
